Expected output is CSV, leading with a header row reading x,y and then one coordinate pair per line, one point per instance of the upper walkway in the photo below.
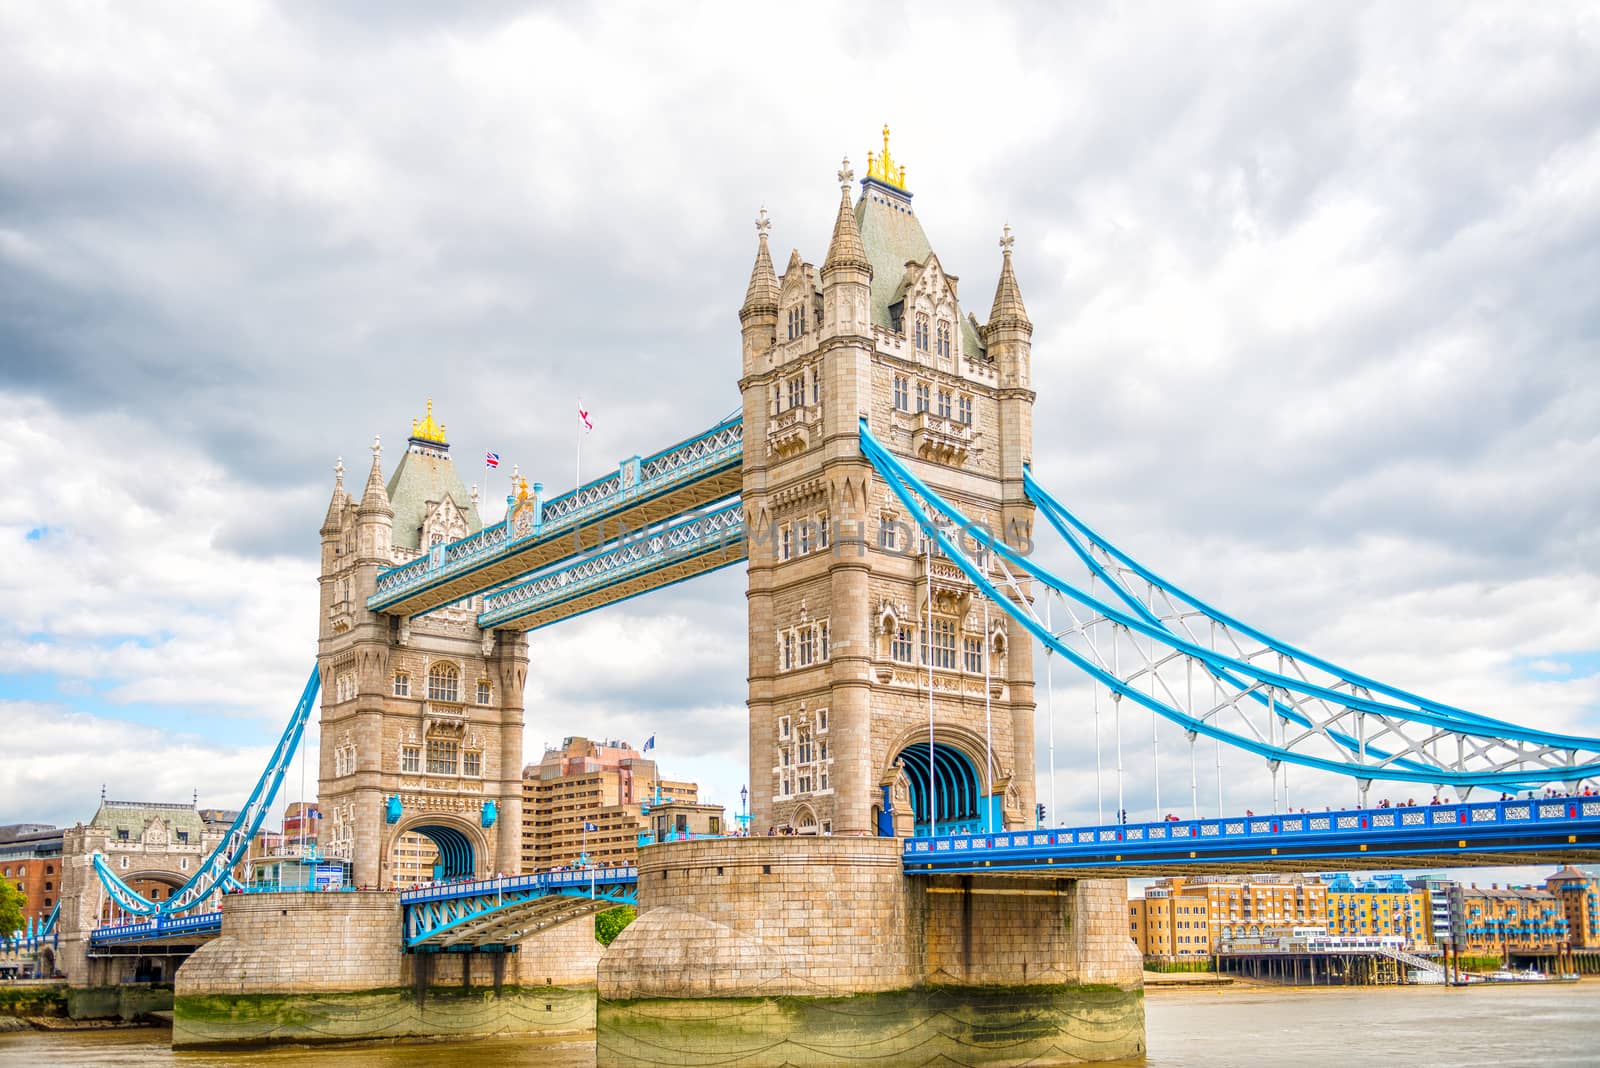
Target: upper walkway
x,y
690,475
1551,830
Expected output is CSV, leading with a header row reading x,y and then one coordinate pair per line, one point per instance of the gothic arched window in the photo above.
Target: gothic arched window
x,y
921,338
944,339
444,684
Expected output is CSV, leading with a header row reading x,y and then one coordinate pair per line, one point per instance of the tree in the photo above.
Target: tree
x,y
609,924
11,903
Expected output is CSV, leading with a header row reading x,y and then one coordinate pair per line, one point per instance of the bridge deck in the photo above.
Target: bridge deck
x,y
683,478
1543,831
500,912
690,546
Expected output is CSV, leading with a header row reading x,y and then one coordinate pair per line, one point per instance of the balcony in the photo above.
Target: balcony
x,y
940,439
791,431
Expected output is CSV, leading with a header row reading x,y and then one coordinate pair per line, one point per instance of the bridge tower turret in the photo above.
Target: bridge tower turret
x,y
421,719
840,587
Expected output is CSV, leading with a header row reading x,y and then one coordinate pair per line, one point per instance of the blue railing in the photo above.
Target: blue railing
x,y
543,881
683,539
162,927
1189,839
637,480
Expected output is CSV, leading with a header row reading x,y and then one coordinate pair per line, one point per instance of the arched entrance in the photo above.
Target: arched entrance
x,y
957,790
459,849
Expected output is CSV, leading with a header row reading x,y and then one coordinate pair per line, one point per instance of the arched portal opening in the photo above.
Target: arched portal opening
x,y
457,857
957,790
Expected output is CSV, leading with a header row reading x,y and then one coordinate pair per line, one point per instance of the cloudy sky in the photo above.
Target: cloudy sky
x,y
1314,291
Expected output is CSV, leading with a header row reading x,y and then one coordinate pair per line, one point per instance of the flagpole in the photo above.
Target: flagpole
x,y
577,463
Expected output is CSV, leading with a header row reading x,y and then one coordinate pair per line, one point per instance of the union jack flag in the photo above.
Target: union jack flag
x,y
491,459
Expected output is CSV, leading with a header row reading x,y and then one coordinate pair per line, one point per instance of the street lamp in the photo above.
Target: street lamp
x,y
744,809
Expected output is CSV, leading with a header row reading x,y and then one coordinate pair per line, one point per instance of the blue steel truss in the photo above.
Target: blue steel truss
x,y
694,544
1283,713
702,458
33,936
1531,831
215,873
158,929
493,913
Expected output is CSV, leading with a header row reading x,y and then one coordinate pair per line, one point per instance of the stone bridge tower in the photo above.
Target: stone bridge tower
x,y
421,718
154,847
840,584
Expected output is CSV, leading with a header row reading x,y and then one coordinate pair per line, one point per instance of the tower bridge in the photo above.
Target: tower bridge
x,y
883,433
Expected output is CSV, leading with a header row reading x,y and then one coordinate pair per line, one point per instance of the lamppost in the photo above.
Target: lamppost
x,y
744,808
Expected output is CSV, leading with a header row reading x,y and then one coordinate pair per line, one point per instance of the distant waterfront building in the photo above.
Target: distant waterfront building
x,y
30,859
1579,894
590,798
1384,905
1499,920
301,819
1185,917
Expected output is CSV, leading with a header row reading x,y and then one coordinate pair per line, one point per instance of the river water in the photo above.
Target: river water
x,y
1418,1027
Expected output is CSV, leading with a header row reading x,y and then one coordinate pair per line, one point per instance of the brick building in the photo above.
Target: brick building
x,y
604,786
30,859
1579,894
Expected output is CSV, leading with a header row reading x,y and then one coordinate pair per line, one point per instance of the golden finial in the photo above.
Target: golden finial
x,y
883,167
425,429
522,489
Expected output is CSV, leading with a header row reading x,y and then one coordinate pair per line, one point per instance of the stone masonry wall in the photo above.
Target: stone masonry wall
x,y
296,942
823,916
771,916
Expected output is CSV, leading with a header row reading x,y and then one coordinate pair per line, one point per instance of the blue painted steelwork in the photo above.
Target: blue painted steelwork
x,y
216,869
490,813
158,928
688,538
1060,519
498,912
393,808
957,792
1455,835
1514,756
456,860
32,937
704,456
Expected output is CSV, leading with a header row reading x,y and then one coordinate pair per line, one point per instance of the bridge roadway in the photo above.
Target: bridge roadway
x,y
683,478
495,913
1467,834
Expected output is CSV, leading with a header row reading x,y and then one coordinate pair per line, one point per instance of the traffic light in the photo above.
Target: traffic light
x,y
1038,814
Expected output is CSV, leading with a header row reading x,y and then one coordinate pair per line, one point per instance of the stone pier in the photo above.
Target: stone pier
x,y
819,951
296,967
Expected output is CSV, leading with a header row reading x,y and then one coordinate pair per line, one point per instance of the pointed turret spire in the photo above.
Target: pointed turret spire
x,y
1008,308
339,501
846,248
375,501
762,293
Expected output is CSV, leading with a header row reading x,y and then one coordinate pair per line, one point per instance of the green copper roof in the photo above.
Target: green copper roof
x,y
419,478
894,237
131,816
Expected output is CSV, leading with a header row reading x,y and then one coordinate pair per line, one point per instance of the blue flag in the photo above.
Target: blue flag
x,y
649,745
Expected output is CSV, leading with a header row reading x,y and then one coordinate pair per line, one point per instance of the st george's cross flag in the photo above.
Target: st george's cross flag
x,y
583,417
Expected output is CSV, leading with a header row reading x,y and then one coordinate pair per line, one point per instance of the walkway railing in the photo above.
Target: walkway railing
x,y
1189,840
691,538
159,928
637,480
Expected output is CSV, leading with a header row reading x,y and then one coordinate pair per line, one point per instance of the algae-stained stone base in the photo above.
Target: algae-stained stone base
x,y
216,1020
1035,1025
